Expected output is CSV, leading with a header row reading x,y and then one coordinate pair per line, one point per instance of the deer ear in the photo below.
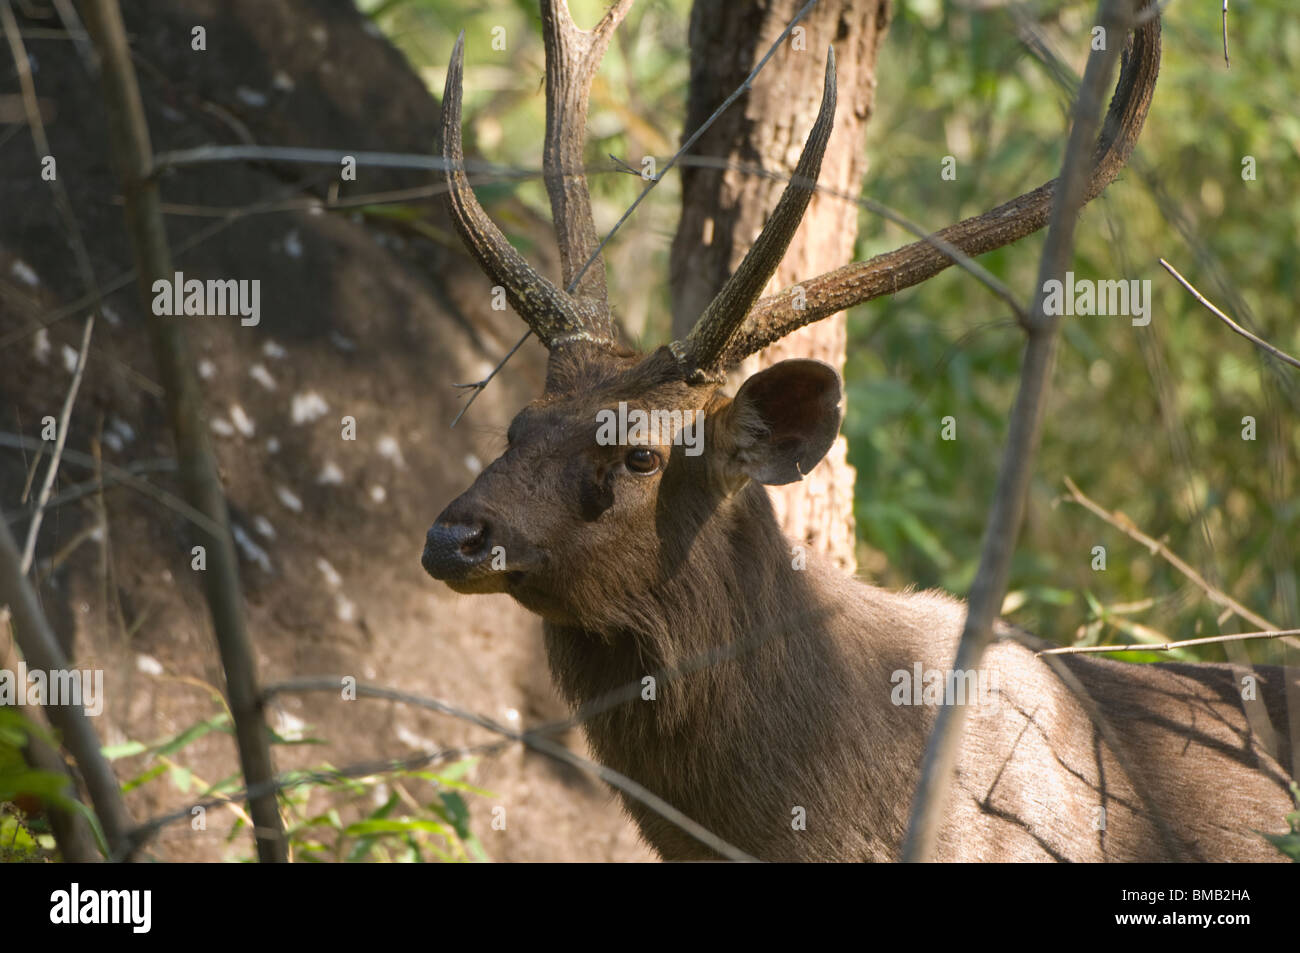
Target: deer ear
x,y
784,419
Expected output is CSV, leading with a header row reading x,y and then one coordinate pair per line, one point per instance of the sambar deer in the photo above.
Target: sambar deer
x,y
777,719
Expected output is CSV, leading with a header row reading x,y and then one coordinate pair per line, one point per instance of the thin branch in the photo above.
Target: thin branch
x,y
41,651
1226,62
1166,646
479,386
1122,523
60,438
129,137
204,155
63,203
96,486
22,65
121,475
1007,512
76,32
1209,306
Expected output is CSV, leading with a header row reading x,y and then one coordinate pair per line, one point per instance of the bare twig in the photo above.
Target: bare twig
x,y
82,257
120,475
1166,646
60,437
1256,714
22,66
1122,523
478,387
1007,513
1226,62
1209,306
482,172
97,484
120,281
487,172
77,34
204,155
129,135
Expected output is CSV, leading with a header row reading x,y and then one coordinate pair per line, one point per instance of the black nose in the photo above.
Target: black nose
x,y
452,549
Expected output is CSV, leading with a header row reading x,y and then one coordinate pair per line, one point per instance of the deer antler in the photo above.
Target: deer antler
x,y
572,58
776,316
715,328
555,316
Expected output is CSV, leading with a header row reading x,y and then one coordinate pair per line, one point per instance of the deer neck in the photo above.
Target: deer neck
x,y
723,695
724,638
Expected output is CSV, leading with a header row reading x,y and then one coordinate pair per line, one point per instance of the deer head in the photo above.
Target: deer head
x,y
573,524
577,483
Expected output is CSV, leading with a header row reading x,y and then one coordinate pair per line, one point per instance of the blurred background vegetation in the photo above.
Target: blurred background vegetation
x,y
1146,420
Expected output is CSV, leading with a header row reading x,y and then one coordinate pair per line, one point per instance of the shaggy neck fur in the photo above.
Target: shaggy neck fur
x,y
751,660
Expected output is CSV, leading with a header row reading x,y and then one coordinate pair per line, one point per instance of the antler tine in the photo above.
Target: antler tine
x,y
554,316
572,58
816,298
709,338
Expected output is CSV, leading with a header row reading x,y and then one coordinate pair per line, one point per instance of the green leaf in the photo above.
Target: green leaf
x,y
394,826
193,733
124,750
144,778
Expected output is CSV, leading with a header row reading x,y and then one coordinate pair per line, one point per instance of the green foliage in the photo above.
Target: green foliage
x,y
1147,420
1289,843
25,791
437,829
329,814
21,843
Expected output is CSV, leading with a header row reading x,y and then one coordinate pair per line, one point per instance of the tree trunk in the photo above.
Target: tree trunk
x,y
723,210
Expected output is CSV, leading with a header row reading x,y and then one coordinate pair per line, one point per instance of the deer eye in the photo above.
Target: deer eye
x,y
642,461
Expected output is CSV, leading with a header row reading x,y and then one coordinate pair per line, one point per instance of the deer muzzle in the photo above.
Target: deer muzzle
x,y
473,552
452,550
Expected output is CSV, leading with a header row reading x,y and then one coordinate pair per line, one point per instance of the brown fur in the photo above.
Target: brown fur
x,y
773,683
